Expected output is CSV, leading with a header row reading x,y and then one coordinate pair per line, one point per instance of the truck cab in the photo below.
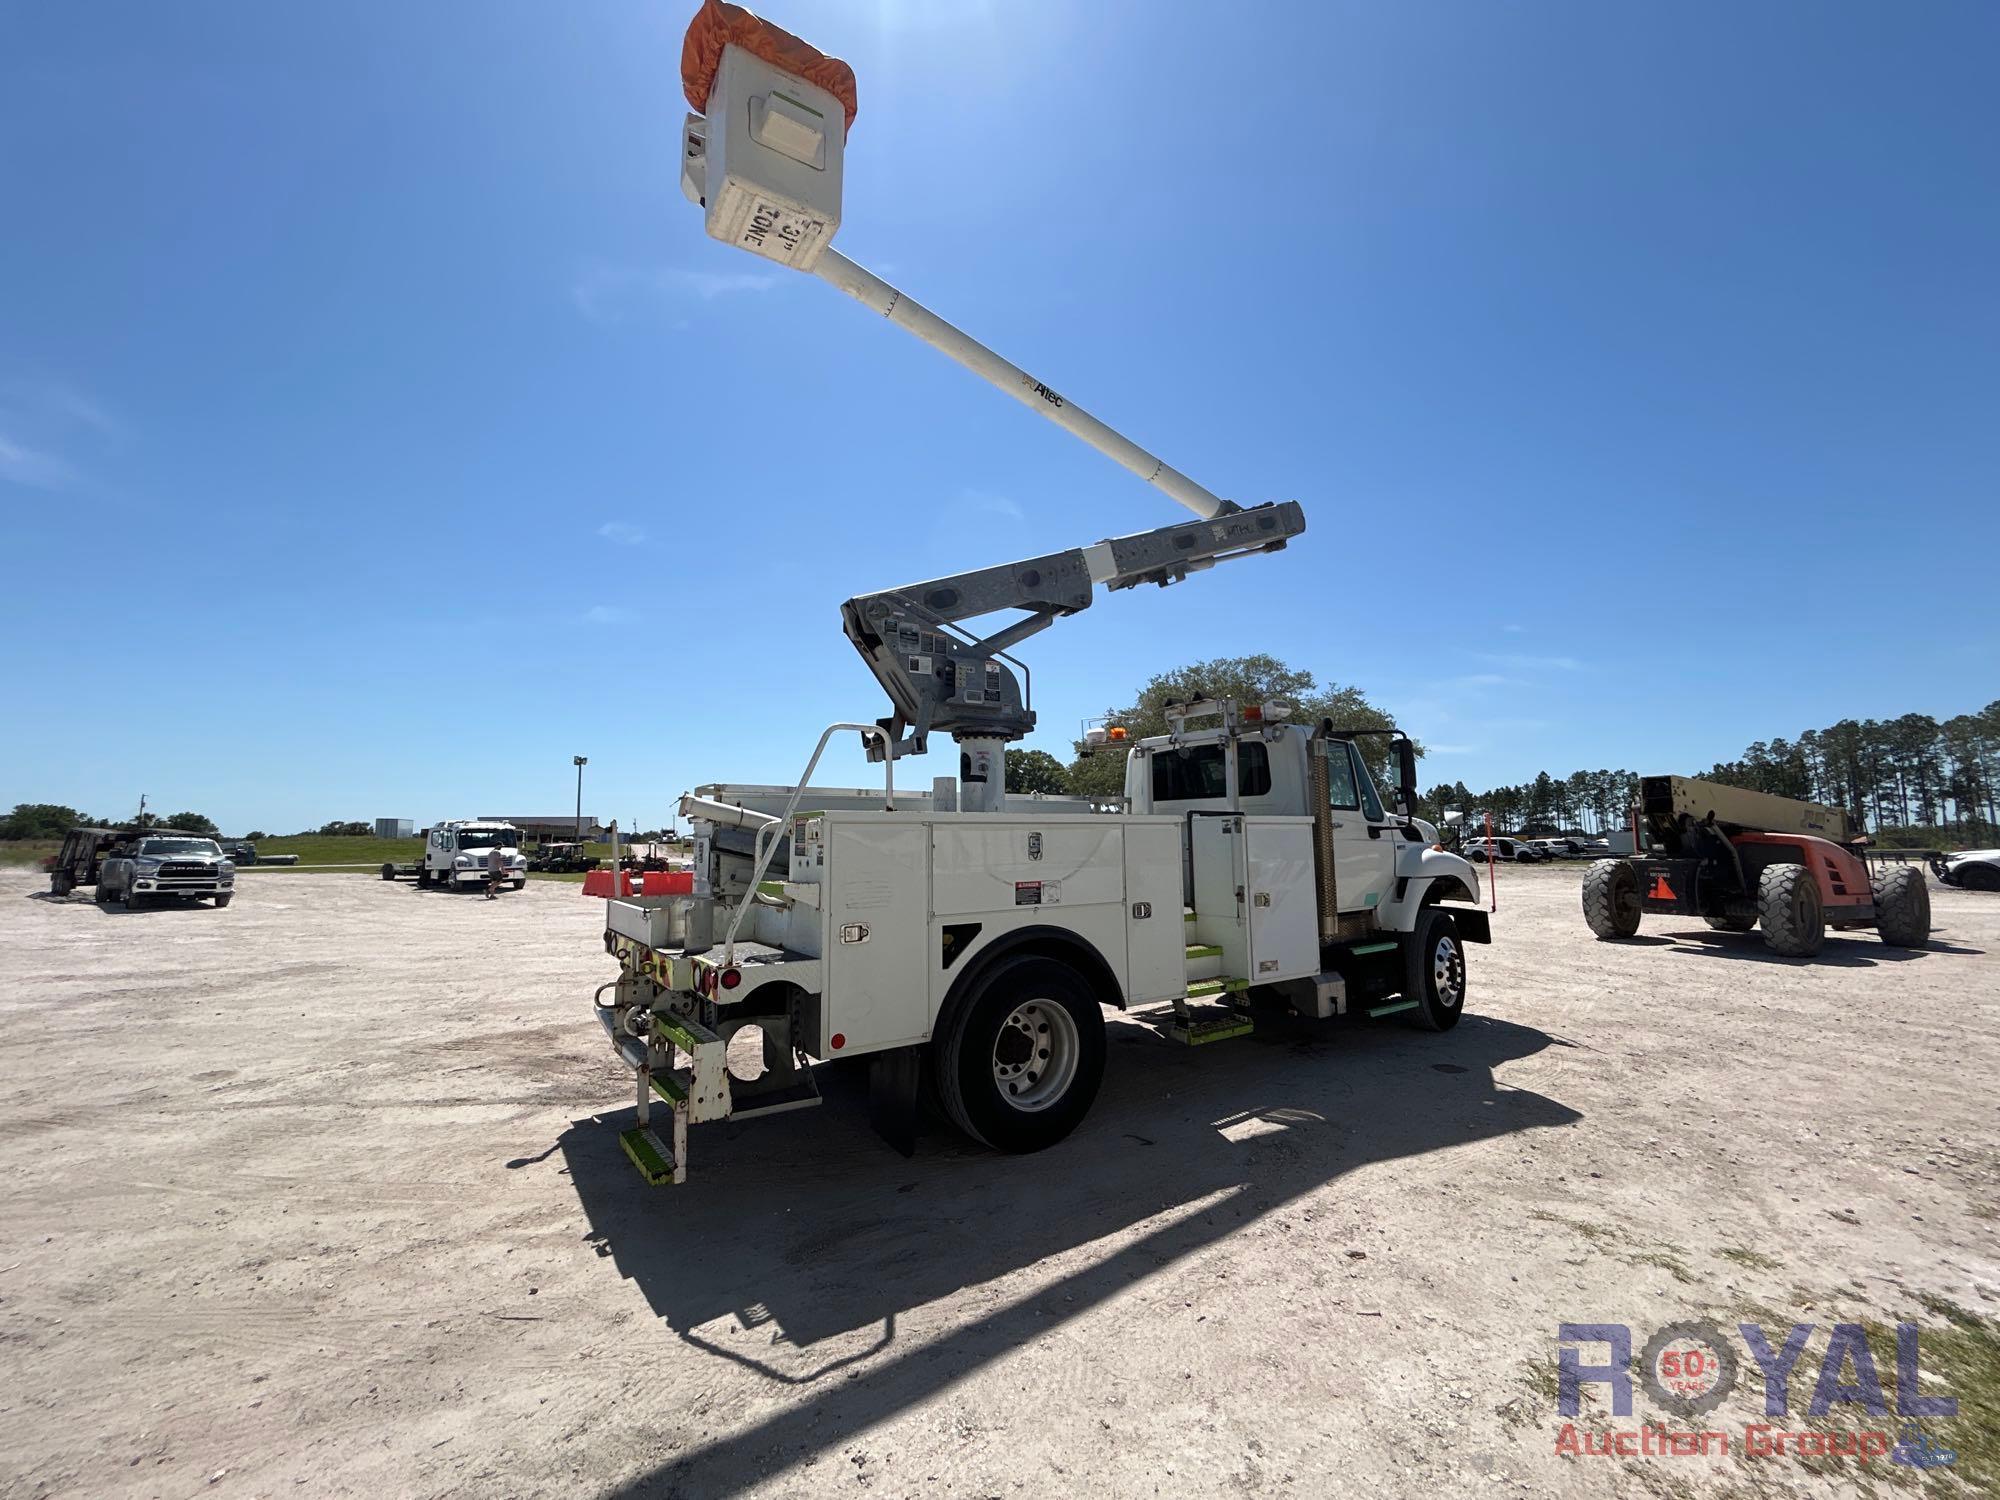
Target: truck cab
x,y
1385,867
456,854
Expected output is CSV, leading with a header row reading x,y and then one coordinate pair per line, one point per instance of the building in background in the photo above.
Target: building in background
x,y
558,829
395,828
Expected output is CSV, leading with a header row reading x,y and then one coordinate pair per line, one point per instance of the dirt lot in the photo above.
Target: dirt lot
x,y
322,1195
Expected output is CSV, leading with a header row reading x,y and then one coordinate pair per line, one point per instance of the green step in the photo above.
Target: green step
x,y
1205,988
1196,1033
1187,916
1203,950
669,1088
1392,1008
674,1032
647,1155
1373,948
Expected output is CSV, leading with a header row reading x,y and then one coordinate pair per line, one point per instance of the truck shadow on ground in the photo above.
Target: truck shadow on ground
x,y
800,1239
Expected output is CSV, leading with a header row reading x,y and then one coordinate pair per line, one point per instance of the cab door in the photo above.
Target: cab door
x,y
1364,847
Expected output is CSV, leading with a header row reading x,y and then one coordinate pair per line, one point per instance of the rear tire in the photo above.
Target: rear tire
x,y
1611,902
1791,911
1979,878
424,877
1903,908
1434,971
1022,1057
1731,924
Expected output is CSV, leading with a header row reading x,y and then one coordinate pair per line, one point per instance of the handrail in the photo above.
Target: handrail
x,y
764,851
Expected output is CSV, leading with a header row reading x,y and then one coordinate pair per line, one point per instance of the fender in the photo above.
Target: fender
x,y
1425,877
1054,942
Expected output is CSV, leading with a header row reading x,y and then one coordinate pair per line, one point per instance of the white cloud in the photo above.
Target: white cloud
x,y
608,294
20,464
989,504
624,533
1518,663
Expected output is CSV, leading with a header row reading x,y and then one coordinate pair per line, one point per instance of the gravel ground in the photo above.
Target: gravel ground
x,y
321,1195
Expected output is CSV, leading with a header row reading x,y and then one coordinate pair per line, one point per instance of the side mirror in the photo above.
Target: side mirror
x,y
1406,775
1453,817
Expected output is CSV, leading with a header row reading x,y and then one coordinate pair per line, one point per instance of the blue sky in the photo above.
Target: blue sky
x,y
374,411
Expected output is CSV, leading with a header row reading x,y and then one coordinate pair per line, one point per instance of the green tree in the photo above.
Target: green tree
x,y
349,830
255,834
191,822
1036,771
1247,679
40,820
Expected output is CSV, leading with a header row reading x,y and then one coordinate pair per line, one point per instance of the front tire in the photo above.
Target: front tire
x,y
1791,911
1903,908
1434,971
224,899
521,884
1020,1061
1611,901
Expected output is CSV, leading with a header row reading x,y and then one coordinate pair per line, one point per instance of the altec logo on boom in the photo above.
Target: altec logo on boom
x,y
1689,1369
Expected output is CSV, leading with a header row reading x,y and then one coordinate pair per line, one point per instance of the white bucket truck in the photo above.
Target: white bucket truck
x,y
458,854
966,935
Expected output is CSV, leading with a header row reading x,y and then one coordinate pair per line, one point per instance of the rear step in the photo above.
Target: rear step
x,y
698,1089
1192,1026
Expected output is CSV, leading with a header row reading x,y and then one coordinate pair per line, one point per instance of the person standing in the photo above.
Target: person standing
x,y
496,865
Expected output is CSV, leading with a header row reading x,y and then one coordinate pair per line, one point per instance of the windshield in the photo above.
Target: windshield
x,y
179,846
487,838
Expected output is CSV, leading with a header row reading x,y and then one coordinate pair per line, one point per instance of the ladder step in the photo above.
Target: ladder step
x,y
1208,988
1373,948
1194,1032
648,1155
683,1034
1391,1008
670,1087
1203,950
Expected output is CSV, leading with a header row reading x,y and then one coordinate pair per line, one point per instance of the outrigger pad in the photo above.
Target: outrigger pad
x,y
648,1155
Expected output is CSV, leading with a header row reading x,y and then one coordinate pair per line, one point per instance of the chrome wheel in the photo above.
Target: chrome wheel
x,y
1035,1054
1448,972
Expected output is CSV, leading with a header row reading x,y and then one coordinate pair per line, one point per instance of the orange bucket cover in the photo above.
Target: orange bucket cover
x,y
716,25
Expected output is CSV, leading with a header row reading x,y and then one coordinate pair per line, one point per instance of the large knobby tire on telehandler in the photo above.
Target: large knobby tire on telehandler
x,y
1790,910
1903,908
1434,971
1611,898
1019,1061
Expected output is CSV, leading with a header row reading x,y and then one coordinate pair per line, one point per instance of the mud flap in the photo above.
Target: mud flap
x,y
893,1080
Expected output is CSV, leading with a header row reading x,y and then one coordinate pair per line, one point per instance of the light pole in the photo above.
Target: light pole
x,y
581,762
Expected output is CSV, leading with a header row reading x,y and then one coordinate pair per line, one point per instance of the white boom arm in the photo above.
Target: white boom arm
x,y
872,292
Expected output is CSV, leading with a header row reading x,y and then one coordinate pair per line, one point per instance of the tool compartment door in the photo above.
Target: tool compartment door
x,y
876,902
1155,936
1282,900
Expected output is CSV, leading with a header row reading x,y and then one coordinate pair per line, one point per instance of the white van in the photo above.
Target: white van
x,y
456,854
